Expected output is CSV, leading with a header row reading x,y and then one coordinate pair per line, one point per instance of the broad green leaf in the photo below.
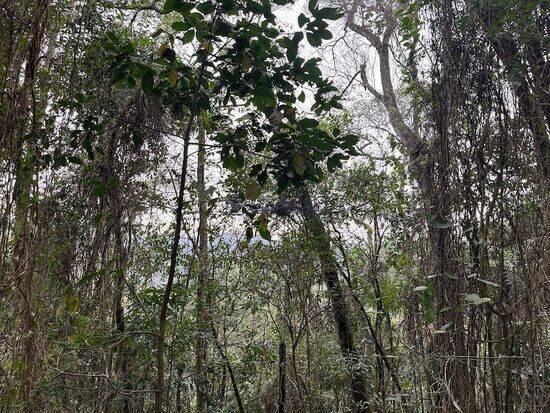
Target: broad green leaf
x,y
72,303
75,159
173,77
264,232
308,123
302,20
330,13
262,177
325,34
157,32
348,141
333,163
148,81
188,36
206,7
292,50
299,163
253,191
246,63
255,170
263,96
180,26
249,233
168,6
314,39
261,225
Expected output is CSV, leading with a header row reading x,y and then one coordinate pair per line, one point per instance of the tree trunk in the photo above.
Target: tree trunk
x,y
282,378
340,310
227,363
448,348
24,164
203,310
534,107
159,394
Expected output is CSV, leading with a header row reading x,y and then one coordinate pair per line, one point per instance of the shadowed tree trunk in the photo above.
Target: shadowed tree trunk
x,y
340,310
534,102
282,378
24,160
203,310
448,348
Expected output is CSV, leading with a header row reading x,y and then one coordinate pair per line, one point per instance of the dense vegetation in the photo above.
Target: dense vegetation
x,y
255,206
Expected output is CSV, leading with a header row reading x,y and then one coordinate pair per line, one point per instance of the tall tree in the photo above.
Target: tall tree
x,y
203,285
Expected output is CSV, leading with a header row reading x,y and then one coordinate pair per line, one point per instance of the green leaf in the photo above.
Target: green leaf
x,y
314,39
253,191
183,7
167,53
302,20
130,81
75,159
188,36
299,163
308,123
302,96
262,177
333,163
206,7
157,32
249,233
260,146
264,233
72,303
325,34
261,225
177,5
263,96
148,81
180,26
97,187
246,63
222,28
173,77
312,5
168,6
318,142
349,141
292,50
255,170
229,162
329,13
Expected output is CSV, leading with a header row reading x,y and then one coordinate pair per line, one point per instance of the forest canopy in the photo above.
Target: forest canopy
x,y
290,206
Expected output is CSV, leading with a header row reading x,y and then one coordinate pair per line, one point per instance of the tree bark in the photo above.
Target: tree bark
x,y
203,310
281,403
340,310
534,107
24,165
227,363
448,348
